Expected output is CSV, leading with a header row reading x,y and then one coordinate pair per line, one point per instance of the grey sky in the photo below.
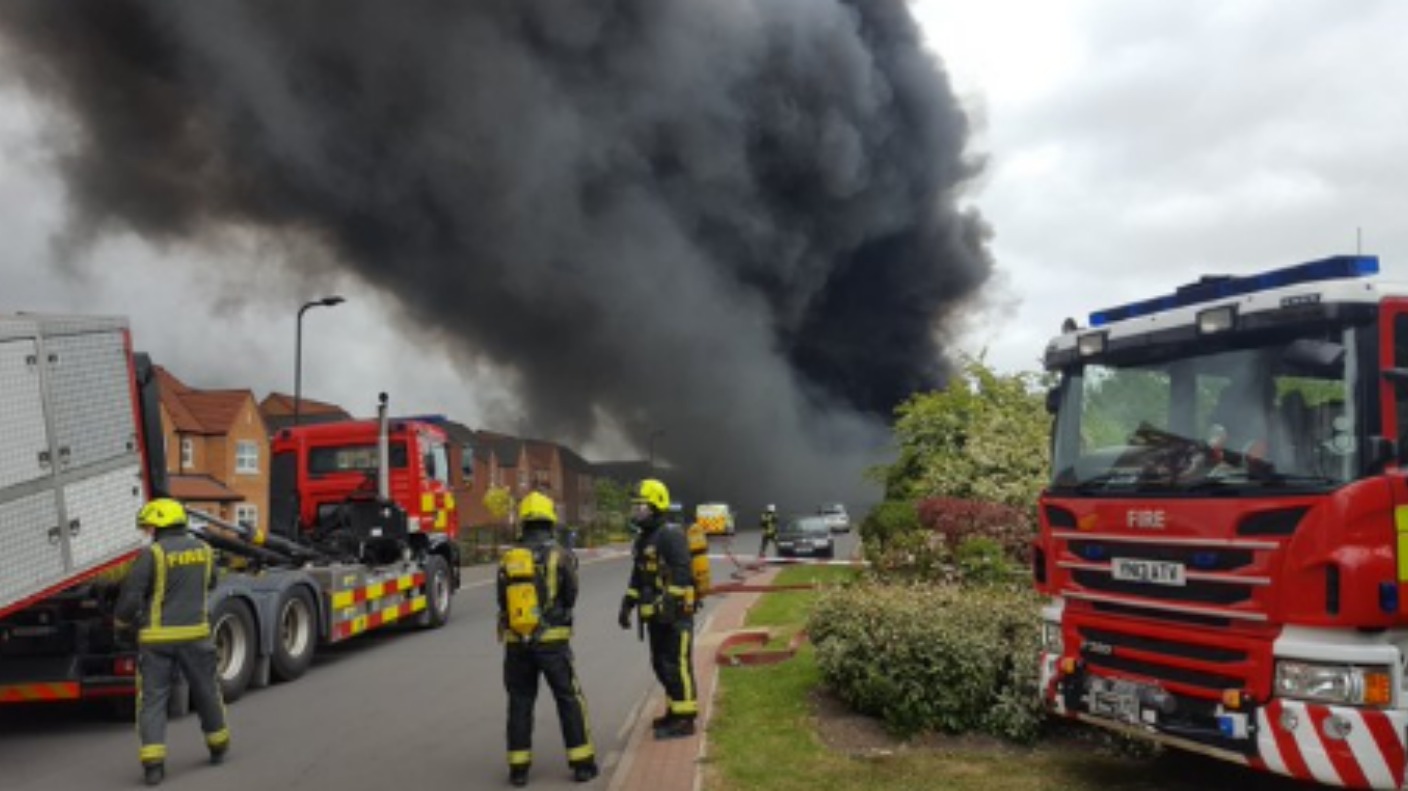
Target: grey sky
x,y
1137,144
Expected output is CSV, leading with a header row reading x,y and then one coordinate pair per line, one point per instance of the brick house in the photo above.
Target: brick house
x,y
523,466
277,409
217,450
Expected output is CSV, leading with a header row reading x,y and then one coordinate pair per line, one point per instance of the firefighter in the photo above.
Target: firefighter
x,y
542,646
661,593
769,526
164,596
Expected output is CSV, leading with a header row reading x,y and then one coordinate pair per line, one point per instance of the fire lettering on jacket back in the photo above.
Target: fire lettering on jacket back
x,y
189,557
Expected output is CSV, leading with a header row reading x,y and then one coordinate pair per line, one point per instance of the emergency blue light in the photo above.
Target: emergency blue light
x,y
1388,597
1205,560
1213,288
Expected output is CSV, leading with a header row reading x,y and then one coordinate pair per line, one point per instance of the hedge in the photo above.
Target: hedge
x,y
926,657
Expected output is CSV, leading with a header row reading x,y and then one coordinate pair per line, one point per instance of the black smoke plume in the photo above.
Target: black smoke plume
x,y
733,220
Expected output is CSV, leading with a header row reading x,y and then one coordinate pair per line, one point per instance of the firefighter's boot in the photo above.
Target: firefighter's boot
x,y
154,773
675,728
518,776
584,771
217,754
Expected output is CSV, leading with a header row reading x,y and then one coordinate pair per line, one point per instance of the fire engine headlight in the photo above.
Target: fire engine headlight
x,y
1217,320
1051,642
1331,683
1091,343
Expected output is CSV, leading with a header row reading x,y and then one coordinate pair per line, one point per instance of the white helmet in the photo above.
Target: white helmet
x,y
771,507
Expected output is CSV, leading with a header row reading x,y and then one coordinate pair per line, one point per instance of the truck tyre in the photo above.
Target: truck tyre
x,y
296,634
232,627
439,594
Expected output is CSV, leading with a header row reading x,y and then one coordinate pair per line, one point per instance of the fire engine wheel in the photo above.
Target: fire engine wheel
x,y
297,635
232,625
438,594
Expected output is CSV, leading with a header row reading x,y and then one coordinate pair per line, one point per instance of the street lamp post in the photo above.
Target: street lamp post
x,y
659,432
298,349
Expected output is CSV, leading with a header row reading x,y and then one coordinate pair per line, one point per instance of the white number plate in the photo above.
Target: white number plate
x,y
1157,572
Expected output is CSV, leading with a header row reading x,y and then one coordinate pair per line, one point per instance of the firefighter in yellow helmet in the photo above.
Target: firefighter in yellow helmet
x,y
661,592
768,523
537,589
165,597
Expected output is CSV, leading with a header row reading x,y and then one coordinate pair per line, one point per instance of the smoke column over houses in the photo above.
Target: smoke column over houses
x,y
733,220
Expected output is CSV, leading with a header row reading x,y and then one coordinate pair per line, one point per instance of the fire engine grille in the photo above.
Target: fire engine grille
x,y
1155,645
1214,682
1203,559
1192,619
1196,591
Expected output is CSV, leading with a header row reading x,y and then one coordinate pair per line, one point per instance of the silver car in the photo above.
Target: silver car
x,y
836,517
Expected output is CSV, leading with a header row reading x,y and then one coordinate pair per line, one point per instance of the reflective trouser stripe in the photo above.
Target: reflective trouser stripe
x,y
158,667
523,666
670,654
520,757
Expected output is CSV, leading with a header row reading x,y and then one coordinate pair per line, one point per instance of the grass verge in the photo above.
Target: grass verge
x,y
765,737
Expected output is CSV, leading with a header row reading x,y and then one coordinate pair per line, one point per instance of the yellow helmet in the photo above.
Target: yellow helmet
x,y
652,493
537,507
162,513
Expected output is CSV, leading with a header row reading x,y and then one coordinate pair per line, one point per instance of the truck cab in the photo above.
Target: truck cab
x,y
1224,536
318,468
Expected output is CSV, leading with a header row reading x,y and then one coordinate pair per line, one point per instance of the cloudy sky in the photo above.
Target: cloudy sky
x,y
1130,146
1134,145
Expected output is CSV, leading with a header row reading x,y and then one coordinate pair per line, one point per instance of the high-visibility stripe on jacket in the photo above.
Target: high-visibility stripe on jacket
x,y
167,587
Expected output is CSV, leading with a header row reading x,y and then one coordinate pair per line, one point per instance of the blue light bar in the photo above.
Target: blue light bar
x,y
1210,289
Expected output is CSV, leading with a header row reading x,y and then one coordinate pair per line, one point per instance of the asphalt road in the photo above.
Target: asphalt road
x,y
423,710
402,709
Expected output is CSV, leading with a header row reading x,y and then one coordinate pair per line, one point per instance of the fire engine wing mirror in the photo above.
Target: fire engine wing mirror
x,y
1053,400
1314,355
1381,452
1397,376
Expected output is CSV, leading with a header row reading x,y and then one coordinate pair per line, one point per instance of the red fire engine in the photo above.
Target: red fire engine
x,y
319,469
1224,539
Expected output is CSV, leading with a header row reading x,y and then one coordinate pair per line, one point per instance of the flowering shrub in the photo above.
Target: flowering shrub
x,y
933,657
958,520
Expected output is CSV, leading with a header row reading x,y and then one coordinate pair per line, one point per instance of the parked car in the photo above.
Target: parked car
x,y
836,517
805,535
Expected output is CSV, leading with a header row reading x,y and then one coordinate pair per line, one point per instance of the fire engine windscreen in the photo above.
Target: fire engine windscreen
x,y
1268,411
737,220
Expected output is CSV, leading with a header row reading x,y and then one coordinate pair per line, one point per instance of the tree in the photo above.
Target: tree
x,y
612,501
498,501
985,437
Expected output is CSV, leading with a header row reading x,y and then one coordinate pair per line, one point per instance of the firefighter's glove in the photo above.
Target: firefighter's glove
x,y
624,616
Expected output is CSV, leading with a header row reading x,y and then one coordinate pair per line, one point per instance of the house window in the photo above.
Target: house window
x,y
247,457
188,453
247,515
522,479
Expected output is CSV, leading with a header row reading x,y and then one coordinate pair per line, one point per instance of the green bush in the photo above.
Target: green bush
x,y
933,657
887,521
983,561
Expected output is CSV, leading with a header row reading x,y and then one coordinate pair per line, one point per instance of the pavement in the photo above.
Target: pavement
x,y
674,764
